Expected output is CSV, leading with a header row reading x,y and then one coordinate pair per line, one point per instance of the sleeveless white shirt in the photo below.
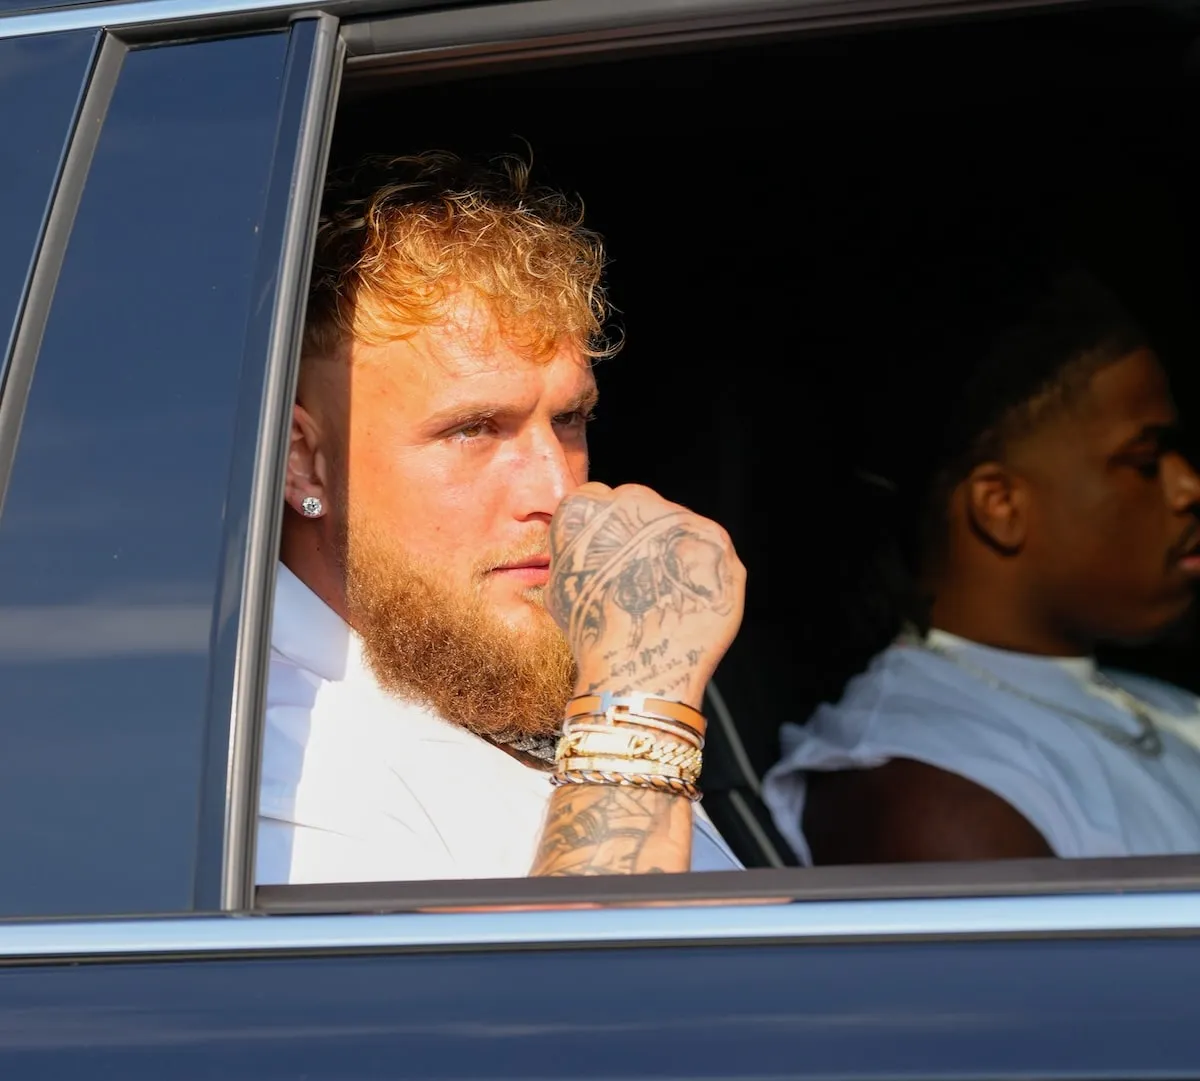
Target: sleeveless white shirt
x,y
1087,794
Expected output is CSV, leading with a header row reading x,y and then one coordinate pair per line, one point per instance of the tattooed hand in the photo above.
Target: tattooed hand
x,y
648,594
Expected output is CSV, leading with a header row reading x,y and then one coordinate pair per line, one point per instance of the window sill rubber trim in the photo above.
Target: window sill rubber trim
x,y
813,922
910,882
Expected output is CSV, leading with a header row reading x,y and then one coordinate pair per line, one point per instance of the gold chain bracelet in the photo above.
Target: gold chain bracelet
x,y
674,785
599,722
619,740
599,764
629,744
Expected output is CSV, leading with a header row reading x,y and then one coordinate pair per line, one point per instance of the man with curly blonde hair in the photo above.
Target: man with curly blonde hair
x,y
436,471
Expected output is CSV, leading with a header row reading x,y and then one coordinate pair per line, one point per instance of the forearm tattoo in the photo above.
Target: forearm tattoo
x,y
607,830
624,584
610,565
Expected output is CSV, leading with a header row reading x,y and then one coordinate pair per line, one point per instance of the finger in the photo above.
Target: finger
x,y
593,489
641,496
574,512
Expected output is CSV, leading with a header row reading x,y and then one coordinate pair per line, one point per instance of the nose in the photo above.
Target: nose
x,y
1183,484
547,472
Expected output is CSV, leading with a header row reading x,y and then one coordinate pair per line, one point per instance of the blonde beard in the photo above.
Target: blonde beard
x,y
428,641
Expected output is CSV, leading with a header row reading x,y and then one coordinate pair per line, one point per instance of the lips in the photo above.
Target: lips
x,y
537,563
1188,553
526,573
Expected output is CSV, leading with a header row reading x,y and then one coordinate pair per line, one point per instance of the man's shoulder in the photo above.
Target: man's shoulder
x,y
909,700
904,678
348,711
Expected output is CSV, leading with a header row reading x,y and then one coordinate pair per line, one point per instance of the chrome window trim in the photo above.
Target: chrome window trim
x,y
813,922
493,24
321,81
116,16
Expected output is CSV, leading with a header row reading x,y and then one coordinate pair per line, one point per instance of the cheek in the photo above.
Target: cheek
x,y
577,463
427,500
1108,530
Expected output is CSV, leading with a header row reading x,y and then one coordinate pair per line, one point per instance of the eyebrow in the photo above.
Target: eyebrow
x,y
1166,436
583,402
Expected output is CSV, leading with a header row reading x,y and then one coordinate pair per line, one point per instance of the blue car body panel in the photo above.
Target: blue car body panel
x,y
131,427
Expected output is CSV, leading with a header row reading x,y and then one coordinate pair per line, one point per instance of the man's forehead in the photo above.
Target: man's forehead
x,y
464,335
1131,391
1118,402
469,358
434,357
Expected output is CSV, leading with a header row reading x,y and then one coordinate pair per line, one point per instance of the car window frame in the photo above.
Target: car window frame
x,y
298,198
521,32
530,31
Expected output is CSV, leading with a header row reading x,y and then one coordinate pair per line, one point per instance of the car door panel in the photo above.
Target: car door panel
x,y
954,1010
124,518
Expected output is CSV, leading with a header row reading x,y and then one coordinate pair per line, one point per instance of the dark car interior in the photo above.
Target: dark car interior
x,y
765,206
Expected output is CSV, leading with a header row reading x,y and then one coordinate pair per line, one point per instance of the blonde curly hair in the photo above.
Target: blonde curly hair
x,y
398,235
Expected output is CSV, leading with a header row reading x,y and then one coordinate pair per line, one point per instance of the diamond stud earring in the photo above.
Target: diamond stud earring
x,y
312,507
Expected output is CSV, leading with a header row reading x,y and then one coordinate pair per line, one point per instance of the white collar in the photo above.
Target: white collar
x,y
307,631
1083,668
310,634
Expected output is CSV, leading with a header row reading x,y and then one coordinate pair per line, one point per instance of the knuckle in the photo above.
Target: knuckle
x,y
636,491
717,532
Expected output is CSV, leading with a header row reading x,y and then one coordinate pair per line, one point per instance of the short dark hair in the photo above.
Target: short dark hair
x,y
1018,342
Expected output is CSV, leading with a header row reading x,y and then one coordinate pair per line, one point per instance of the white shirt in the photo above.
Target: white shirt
x,y
1085,793
358,786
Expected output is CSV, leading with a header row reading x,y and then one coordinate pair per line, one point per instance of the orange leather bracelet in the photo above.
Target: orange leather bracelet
x,y
627,707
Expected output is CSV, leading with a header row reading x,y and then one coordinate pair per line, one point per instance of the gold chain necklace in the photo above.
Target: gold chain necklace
x,y
1146,741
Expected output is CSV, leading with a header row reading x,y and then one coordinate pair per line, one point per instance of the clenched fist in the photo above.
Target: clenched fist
x,y
648,593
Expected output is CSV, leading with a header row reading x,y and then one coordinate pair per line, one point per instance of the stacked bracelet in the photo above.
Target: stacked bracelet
x,y
675,787
642,706
633,740
627,744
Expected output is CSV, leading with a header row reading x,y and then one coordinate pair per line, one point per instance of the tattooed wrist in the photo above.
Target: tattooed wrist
x,y
654,671
683,689
610,830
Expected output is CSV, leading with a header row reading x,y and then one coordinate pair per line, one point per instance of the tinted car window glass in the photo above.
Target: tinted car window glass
x,y
40,83
112,529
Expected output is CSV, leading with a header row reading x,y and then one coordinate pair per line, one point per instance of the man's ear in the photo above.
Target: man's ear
x,y
996,505
307,465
